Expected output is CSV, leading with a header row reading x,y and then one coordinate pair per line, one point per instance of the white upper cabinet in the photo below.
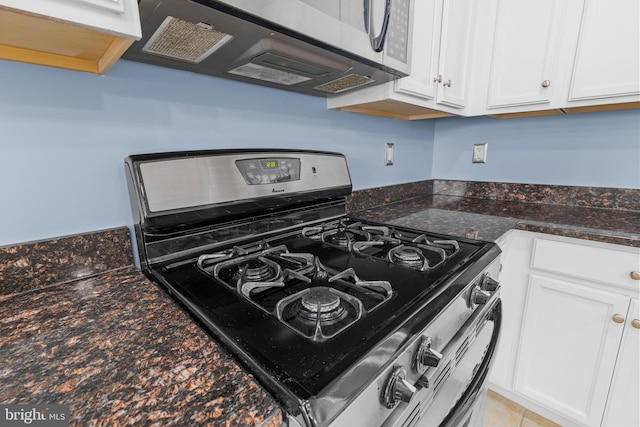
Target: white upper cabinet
x,y
111,16
440,54
454,52
554,55
85,35
525,57
442,38
607,60
423,82
525,52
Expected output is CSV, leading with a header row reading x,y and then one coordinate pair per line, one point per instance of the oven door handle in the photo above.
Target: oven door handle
x,y
455,416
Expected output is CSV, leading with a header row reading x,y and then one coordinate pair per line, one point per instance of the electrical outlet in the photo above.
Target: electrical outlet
x,y
479,153
388,154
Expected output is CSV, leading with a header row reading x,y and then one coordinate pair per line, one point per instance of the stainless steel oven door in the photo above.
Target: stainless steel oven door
x,y
469,411
463,379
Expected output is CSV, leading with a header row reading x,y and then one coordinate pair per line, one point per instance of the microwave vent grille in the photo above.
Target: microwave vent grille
x,y
185,41
351,81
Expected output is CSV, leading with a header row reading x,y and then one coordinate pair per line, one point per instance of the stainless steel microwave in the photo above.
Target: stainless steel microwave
x,y
319,47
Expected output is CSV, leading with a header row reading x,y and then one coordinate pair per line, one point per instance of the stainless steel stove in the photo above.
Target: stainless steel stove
x,y
345,322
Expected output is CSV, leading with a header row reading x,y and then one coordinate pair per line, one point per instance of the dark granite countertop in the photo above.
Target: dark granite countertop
x,y
488,219
80,326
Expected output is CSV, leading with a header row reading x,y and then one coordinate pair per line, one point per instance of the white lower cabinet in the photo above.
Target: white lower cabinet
x,y
624,398
569,349
568,346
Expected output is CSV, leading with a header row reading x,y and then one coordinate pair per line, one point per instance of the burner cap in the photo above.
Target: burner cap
x,y
258,271
320,299
320,303
341,238
407,255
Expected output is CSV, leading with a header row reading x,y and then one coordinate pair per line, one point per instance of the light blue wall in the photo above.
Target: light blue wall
x,y
64,136
590,149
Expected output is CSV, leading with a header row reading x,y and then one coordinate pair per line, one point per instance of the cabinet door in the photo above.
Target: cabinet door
x,y
118,17
454,52
525,51
607,60
425,50
568,347
622,406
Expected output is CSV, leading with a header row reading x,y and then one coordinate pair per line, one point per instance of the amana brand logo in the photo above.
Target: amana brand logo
x,y
36,415
277,191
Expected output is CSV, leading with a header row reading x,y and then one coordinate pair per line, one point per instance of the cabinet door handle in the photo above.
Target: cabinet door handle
x,y
635,275
617,318
635,323
447,83
546,83
437,79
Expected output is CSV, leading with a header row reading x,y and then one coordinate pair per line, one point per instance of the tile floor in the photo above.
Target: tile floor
x,y
501,412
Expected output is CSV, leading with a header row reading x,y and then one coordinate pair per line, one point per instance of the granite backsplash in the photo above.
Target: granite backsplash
x,y
593,197
30,266
35,265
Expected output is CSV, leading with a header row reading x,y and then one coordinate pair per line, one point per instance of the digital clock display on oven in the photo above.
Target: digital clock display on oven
x,y
269,164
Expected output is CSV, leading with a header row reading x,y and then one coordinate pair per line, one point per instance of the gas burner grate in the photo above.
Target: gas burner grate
x,y
383,242
338,234
319,313
297,288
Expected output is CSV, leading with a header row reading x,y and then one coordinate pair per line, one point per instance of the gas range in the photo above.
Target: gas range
x,y
334,315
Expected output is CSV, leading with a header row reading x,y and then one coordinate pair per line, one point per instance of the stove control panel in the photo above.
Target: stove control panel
x,y
197,180
269,170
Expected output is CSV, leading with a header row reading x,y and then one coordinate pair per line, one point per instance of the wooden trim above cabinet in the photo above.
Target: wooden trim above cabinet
x,y
527,114
606,107
394,109
41,40
573,110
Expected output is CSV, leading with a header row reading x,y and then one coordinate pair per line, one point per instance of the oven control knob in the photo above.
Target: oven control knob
x,y
426,356
398,389
489,284
478,296
422,382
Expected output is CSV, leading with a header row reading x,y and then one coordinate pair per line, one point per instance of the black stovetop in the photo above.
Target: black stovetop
x,y
304,366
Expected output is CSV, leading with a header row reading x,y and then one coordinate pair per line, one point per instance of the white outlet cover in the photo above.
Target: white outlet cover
x,y
479,153
388,154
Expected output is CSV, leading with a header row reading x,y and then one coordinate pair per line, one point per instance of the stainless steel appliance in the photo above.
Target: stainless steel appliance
x,y
345,322
315,47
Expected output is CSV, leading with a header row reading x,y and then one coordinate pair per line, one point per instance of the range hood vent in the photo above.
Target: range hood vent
x,y
185,41
351,81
